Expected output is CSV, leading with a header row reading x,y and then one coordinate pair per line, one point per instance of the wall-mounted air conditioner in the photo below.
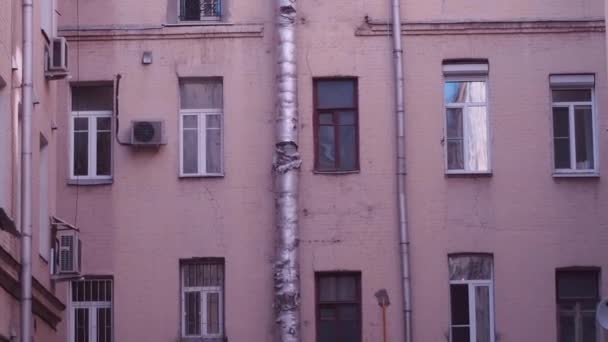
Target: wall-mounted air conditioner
x,y
67,253
57,58
147,133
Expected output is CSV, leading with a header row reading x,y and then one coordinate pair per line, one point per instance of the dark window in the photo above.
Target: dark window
x,y
91,305
196,10
577,297
338,307
336,121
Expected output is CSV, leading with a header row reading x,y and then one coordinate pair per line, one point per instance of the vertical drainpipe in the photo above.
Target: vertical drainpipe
x,y
286,167
401,200
26,170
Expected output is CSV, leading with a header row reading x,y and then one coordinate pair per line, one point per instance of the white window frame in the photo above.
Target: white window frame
x,y
203,18
201,163
203,290
92,308
472,284
464,106
573,171
92,144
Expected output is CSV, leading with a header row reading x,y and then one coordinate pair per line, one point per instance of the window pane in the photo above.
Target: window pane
x,y
213,313
562,153
454,123
460,334
81,153
470,267
214,151
347,288
104,153
328,331
347,118
581,285
191,9
81,325
482,313
561,123
210,8
572,95
349,323
327,289
104,325
476,139
327,148
81,123
214,121
190,151
193,310
326,119
336,94
566,329
455,154
200,93
89,98
464,92
348,147
583,124
104,124
459,299
589,333
190,121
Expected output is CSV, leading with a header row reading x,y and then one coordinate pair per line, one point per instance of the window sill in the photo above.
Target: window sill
x,y
462,173
207,22
211,175
87,182
335,172
588,174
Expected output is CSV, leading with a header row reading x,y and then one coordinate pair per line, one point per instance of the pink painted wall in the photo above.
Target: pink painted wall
x,y
140,226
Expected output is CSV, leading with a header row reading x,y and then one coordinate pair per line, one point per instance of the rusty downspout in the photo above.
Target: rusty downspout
x,y
286,167
401,199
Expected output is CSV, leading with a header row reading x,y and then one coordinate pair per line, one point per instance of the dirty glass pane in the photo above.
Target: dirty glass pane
x,y
476,139
93,98
213,313
190,151
583,125
81,153
572,95
566,329
577,285
336,94
454,123
214,151
461,334
461,92
482,313
348,147
589,327
201,93
327,289
459,300
327,148
81,325
455,154
470,267
192,305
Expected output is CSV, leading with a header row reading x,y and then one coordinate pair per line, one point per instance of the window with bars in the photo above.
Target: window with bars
x,y
338,307
577,298
91,132
574,131
202,291
201,127
336,122
200,10
471,298
91,311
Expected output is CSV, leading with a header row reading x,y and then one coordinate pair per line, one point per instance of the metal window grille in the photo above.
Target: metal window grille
x,y
195,10
91,311
202,298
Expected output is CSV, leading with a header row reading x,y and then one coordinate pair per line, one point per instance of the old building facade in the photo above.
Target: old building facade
x,y
163,151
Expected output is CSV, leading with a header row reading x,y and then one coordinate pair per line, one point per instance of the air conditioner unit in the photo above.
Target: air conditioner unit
x,y
147,133
57,58
67,253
